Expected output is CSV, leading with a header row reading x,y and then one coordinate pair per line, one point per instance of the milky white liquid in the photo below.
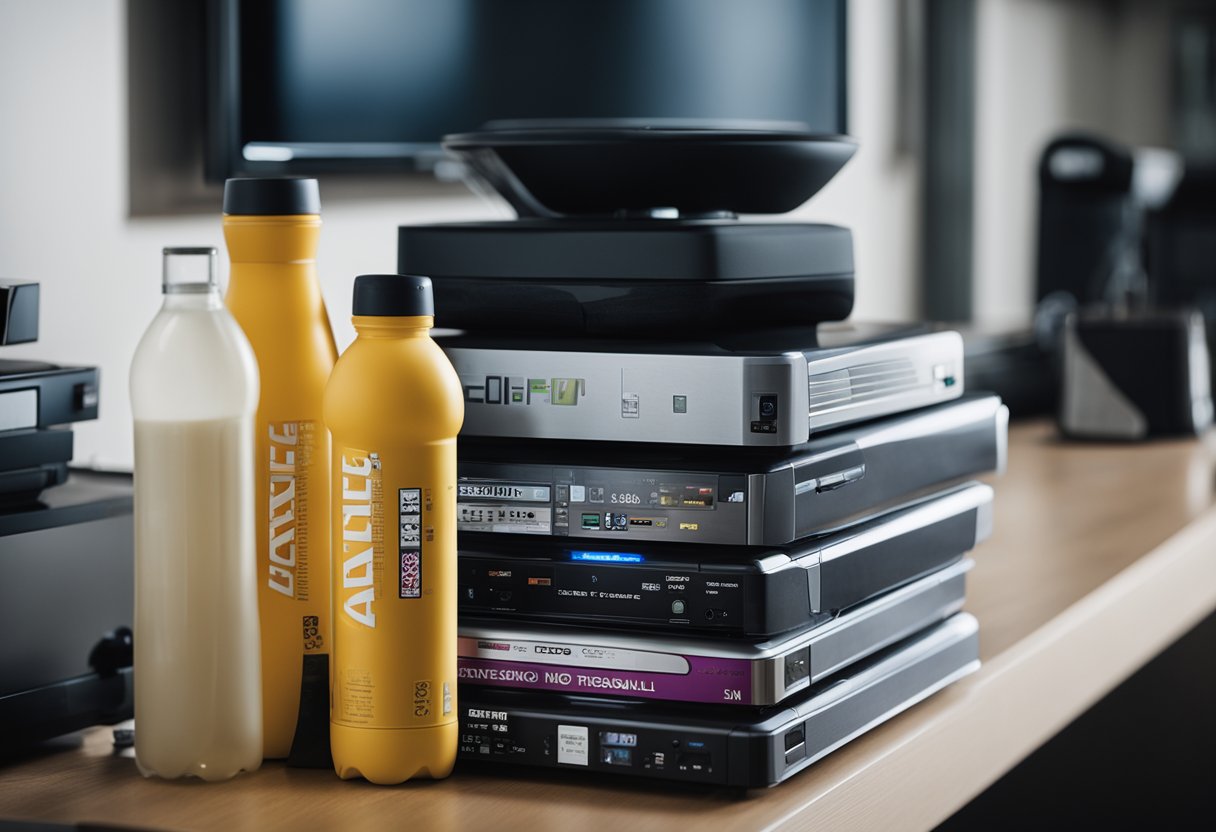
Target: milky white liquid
x,y
198,707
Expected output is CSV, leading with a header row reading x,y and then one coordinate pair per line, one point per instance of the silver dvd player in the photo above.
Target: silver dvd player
x,y
739,497
763,391
742,747
577,660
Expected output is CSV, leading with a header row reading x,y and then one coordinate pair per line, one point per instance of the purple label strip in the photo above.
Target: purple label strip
x,y
708,680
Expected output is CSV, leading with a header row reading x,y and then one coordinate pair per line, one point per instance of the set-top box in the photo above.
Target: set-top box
x,y
730,496
772,390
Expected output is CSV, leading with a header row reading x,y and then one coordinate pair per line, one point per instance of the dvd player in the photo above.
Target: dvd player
x,y
774,390
743,747
587,661
723,589
724,496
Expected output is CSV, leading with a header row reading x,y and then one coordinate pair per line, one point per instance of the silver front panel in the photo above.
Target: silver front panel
x,y
614,504
18,409
865,630
688,399
884,378
872,695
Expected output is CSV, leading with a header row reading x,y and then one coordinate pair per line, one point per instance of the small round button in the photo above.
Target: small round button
x,y
677,607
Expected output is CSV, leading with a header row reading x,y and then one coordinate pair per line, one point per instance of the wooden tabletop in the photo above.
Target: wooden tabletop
x,y
1102,556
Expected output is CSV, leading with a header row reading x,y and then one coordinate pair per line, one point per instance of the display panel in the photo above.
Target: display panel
x,y
314,85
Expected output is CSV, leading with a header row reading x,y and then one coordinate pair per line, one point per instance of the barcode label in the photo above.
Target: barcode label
x,y
409,515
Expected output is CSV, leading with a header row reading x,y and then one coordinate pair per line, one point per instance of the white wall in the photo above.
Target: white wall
x,y
63,199
1046,66
877,194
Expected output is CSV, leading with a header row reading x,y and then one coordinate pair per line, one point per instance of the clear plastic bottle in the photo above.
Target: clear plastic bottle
x,y
194,390
394,406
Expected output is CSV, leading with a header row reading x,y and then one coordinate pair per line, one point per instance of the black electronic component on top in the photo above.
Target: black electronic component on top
x,y
630,228
654,278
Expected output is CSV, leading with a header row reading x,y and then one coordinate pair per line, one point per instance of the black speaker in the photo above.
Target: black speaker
x,y
1086,215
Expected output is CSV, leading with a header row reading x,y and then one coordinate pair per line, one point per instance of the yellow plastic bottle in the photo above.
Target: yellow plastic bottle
x,y
393,407
271,227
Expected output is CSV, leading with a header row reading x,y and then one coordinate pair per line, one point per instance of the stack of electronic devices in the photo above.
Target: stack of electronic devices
x,y
34,398
63,538
705,534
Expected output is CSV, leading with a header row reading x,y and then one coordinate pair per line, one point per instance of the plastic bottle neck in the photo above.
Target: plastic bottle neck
x,y
288,239
393,327
206,301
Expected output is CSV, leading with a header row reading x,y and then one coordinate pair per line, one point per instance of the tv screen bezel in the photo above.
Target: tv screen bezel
x,y
224,156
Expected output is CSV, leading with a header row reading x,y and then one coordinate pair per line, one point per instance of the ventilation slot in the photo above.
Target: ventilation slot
x,y
863,383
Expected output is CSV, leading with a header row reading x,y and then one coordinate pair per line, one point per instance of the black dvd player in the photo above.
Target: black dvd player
x,y
723,589
621,492
714,744
631,277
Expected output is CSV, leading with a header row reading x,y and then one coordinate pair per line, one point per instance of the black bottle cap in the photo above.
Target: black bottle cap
x,y
393,294
271,196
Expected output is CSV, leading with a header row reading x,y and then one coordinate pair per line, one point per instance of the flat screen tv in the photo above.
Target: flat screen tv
x,y
322,86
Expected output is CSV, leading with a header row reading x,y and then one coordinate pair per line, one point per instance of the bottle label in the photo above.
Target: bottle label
x,y
362,535
292,447
409,514
394,585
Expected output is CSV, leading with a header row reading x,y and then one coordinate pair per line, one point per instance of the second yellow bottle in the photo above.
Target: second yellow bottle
x,y
393,407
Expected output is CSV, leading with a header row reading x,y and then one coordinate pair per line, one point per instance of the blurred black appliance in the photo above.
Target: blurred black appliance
x,y
66,601
1180,247
1135,374
66,550
1093,198
372,85
1012,363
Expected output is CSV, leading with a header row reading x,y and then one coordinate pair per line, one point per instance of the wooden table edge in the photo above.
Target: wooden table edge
x,y
965,738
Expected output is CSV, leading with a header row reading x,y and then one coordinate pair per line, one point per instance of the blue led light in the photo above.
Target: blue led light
x,y
607,557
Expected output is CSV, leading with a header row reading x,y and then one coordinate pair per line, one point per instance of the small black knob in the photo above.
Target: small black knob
x,y
114,652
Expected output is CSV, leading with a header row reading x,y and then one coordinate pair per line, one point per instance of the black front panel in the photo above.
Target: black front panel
x,y
718,589
491,731
921,455
602,503
32,447
639,308
851,578
592,587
